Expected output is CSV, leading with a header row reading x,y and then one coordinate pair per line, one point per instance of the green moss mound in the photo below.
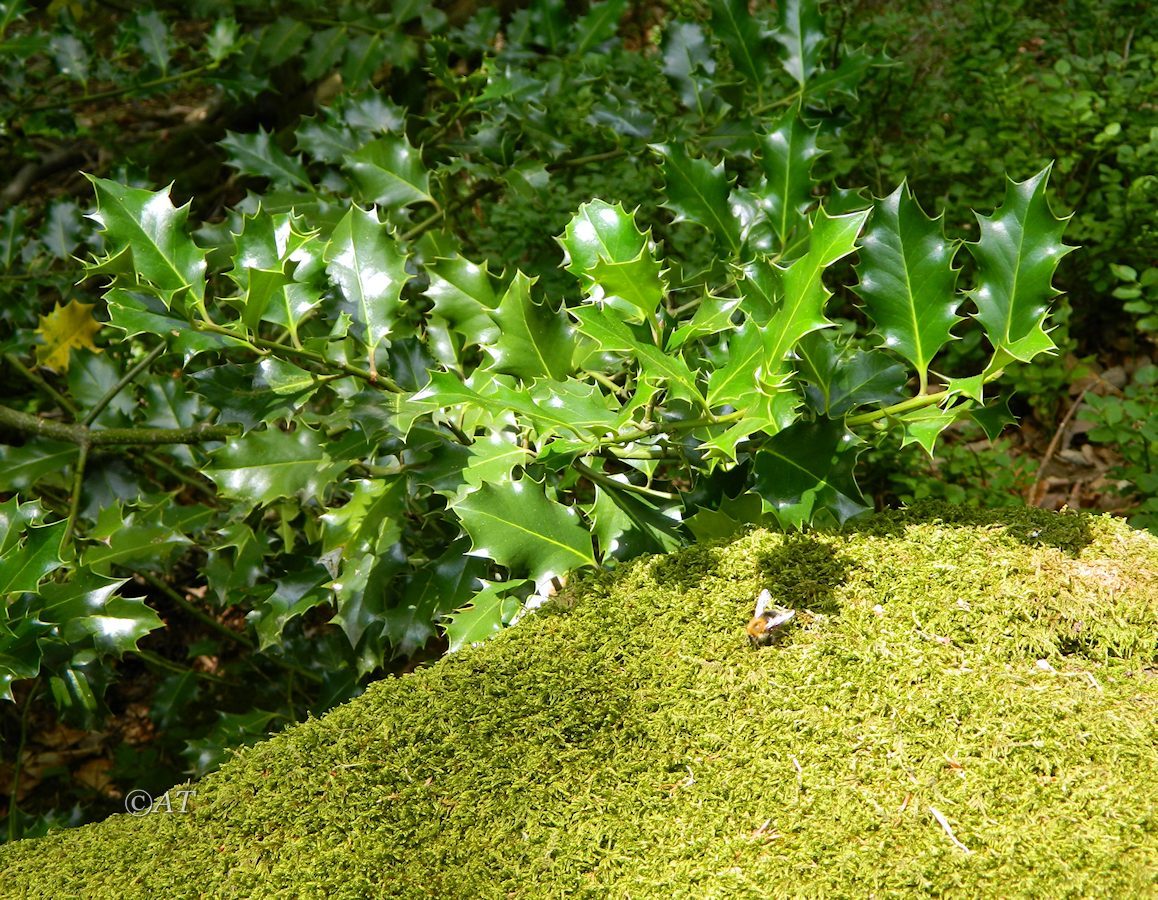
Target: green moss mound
x,y
992,670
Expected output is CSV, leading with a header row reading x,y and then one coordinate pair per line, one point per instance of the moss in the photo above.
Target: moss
x,y
996,667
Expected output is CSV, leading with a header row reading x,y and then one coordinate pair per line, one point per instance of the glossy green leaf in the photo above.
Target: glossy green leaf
x,y
21,467
616,262
533,340
264,466
806,468
15,518
626,525
491,608
430,593
734,25
88,608
390,173
370,268
295,594
697,191
907,279
515,524
463,294
688,61
1019,249
924,426
800,32
153,39
22,567
841,378
802,310
787,152
256,154
147,224
599,24
712,315
20,651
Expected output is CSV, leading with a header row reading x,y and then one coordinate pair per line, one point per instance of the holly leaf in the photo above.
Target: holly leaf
x,y
256,154
513,523
463,294
696,191
366,263
787,152
146,224
733,24
907,279
713,315
613,259
924,426
491,608
800,32
533,341
841,378
64,329
1018,251
390,173
264,466
626,525
24,566
805,468
599,24
295,594
88,608
802,310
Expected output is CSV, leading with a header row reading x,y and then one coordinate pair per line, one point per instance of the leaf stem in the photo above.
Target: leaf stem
x,y
117,92
189,609
124,382
103,437
77,487
615,484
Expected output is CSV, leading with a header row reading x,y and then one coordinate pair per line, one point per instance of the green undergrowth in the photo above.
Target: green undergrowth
x,y
995,666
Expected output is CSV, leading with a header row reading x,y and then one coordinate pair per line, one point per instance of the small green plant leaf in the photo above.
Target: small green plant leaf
x,y
697,191
148,225
370,268
491,608
907,280
787,152
1019,249
808,467
88,608
533,340
390,173
516,525
733,24
841,378
22,567
800,32
264,466
256,154
599,24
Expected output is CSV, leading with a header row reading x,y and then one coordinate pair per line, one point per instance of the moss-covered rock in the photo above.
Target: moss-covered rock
x,y
966,703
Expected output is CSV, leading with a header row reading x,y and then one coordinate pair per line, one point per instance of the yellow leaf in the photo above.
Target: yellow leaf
x,y
61,330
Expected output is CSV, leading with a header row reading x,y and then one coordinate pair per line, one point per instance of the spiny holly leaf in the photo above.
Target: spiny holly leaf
x,y
697,192
136,312
808,467
295,594
87,608
605,249
787,152
242,394
489,611
514,524
255,154
613,336
15,517
627,526
713,315
275,253
802,311
369,521
733,25
21,467
801,33
390,173
841,378
138,540
22,567
534,341
1019,249
993,417
462,293
153,39
688,61
907,279
430,593
599,25
146,224
924,426
370,268
264,466
20,651
62,330
733,383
